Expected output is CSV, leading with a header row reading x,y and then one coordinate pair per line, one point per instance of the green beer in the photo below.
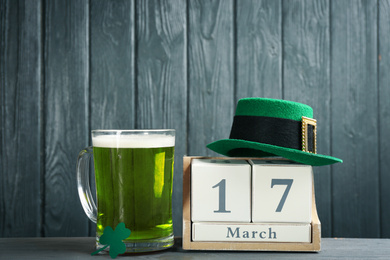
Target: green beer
x,y
134,184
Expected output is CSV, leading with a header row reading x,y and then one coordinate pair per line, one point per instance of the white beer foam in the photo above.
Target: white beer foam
x,y
133,141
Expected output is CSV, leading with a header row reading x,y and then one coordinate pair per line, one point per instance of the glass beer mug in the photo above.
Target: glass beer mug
x,y
134,178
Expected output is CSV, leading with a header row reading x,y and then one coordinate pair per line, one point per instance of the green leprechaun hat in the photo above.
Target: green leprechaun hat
x,y
265,127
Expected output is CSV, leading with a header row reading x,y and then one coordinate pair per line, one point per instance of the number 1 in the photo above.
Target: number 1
x,y
287,182
222,196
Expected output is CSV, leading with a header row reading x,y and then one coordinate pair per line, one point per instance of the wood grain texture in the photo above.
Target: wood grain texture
x,y
354,119
162,79
112,64
331,55
211,73
259,49
384,114
66,111
306,79
20,84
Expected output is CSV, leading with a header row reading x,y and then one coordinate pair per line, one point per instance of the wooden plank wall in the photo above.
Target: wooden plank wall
x,y
67,67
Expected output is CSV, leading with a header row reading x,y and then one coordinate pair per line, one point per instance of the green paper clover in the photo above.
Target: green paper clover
x,y
114,240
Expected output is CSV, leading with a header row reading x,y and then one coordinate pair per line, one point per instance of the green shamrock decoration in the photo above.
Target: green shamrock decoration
x,y
114,240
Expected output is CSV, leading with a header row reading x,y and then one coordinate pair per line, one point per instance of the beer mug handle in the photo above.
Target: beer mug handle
x,y
83,185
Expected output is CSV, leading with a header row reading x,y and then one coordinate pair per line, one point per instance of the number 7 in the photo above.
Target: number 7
x,y
287,182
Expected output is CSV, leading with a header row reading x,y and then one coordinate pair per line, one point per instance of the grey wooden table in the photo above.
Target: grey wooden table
x,y
82,247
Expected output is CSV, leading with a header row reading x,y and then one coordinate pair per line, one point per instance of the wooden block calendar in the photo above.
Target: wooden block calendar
x,y
249,204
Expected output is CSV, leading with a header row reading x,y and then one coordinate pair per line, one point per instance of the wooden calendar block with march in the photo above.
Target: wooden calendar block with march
x,y
251,232
287,189
206,231
220,190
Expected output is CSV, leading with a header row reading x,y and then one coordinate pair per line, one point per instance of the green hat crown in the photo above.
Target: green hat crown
x,y
273,108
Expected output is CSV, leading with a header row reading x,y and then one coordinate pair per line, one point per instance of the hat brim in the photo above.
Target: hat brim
x,y
243,148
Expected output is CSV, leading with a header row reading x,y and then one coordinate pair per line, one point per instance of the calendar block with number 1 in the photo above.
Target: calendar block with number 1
x,y
245,204
220,190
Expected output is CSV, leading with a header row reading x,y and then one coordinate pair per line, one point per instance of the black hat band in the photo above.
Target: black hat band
x,y
274,131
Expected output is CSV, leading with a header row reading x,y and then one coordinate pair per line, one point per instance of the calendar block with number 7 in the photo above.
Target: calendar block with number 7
x,y
281,193
249,204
